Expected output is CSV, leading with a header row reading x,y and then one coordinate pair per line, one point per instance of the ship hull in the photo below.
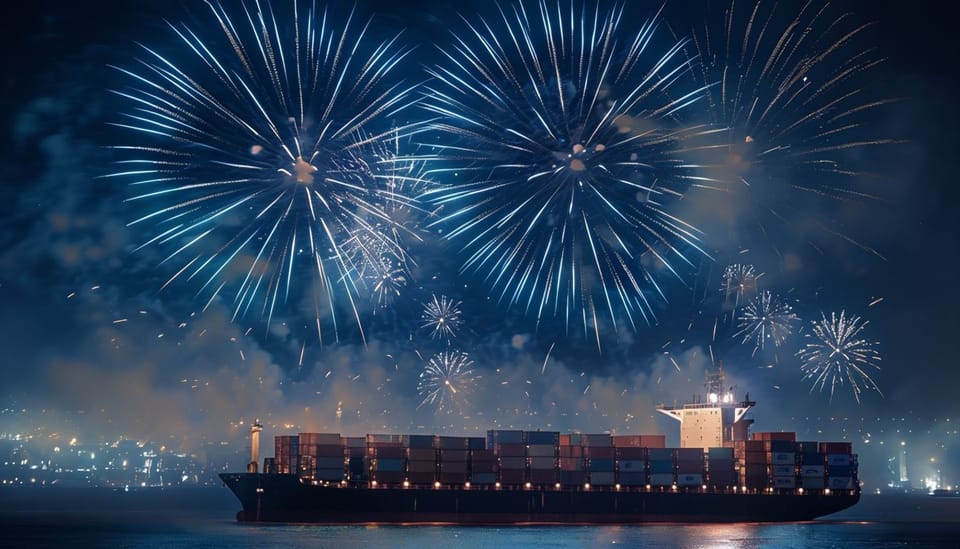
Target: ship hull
x,y
284,498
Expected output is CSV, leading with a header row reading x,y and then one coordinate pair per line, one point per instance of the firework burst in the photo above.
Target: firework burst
x,y
739,285
442,316
558,157
447,378
254,160
766,318
787,88
838,353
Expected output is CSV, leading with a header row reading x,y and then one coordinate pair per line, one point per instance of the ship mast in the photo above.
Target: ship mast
x,y
715,423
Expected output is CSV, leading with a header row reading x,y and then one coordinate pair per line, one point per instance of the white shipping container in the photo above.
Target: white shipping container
x,y
784,482
838,460
661,479
689,479
811,471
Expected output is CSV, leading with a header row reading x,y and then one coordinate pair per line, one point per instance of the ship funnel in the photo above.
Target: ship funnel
x,y
254,446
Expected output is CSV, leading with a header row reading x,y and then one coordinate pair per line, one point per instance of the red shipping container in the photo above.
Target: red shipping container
x,y
512,477
836,448
571,451
626,441
653,441
599,452
512,450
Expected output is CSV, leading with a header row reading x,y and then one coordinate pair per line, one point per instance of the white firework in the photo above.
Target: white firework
x,y
739,284
442,317
838,353
764,319
448,376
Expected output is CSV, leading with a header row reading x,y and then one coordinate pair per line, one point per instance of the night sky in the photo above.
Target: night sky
x,y
90,343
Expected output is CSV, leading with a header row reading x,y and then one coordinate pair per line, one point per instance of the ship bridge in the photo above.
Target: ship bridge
x,y
715,422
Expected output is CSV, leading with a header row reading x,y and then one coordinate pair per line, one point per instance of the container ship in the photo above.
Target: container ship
x,y
720,473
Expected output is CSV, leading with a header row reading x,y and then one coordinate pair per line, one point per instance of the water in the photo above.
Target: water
x,y
204,518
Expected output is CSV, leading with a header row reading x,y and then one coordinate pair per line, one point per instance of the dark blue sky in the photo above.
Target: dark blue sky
x,y
84,327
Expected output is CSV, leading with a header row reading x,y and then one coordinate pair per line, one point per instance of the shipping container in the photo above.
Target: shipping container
x,y
660,467
384,439
329,474
329,462
421,478
842,460
541,450
632,453
388,477
476,443
599,452
812,483
755,457
499,436
812,458
388,452
601,465
807,447
572,478
543,476
633,479
661,479
543,463
512,476
632,465
784,482
453,443
418,453
689,454
387,464
660,454
453,467
784,470
419,441
453,478
548,438
780,446
836,448
510,449
421,466
510,462
570,451
840,483
601,439
783,458
627,441
689,479
571,464
653,441
483,478
602,478
328,450
716,454
812,471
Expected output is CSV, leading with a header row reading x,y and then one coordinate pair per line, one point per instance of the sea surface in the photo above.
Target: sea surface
x,y
78,518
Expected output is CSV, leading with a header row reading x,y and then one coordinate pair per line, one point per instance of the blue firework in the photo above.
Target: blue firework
x,y
447,380
253,156
766,318
789,91
558,155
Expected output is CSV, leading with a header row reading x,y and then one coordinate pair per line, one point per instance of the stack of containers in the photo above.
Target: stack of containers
x,y
811,465
287,454
421,454
781,453
454,460
631,458
570,461
660,466
841,465
329,456
355,449
753,473
385,456
542,456
483,466
690,467
721,472
599,454
511,451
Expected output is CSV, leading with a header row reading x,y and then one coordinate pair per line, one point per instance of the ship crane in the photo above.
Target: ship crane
x,y
716,423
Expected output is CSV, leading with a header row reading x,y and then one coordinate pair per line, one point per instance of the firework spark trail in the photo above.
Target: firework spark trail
x,y
796,114
557,150
447,376
254,155
838,353
442,316
766,318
